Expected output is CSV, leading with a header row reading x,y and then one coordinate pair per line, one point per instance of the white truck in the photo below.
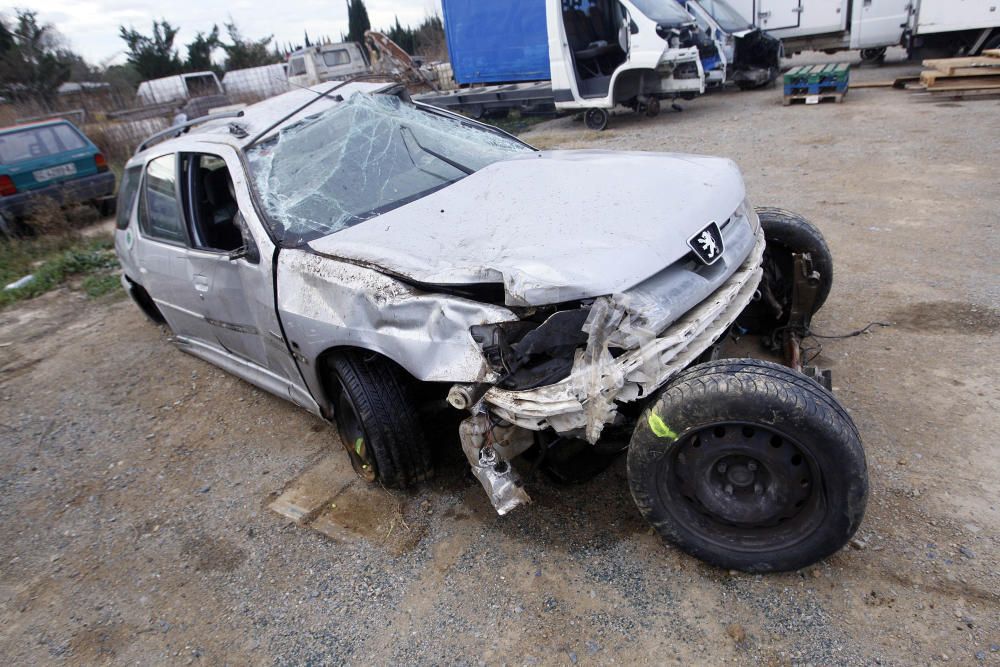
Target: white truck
x,y
326,62
944,27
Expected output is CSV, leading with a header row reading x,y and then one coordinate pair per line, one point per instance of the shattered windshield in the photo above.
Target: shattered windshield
x,y
363,157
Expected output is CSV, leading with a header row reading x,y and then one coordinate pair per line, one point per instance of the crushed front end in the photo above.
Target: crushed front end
x,y
568,369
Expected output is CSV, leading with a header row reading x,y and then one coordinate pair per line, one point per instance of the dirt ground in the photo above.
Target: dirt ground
x,y
135,480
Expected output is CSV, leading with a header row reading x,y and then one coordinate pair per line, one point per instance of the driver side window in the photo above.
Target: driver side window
x,y
211,203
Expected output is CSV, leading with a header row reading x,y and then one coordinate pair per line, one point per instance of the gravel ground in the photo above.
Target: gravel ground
x,y
134,479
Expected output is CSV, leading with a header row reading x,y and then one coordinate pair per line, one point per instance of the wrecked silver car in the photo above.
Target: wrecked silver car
x,y
367,257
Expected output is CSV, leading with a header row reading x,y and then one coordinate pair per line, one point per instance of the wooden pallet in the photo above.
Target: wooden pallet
x,y
949,65
813,99
952,76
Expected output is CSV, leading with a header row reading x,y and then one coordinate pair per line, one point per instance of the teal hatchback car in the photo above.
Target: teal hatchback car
x,y
50,159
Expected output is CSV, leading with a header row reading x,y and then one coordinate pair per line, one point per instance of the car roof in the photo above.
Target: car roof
x,y
35,124
259,117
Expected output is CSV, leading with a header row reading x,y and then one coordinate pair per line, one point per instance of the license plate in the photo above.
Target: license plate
x,y
55,172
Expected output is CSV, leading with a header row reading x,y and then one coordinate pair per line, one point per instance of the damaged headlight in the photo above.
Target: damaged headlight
x,y
529,354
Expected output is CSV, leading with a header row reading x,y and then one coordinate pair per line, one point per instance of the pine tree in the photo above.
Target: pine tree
x,y
357,21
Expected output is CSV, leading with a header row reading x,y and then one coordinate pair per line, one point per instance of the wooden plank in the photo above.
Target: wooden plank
x,y
966,86
949,65
992,53
930,77
958,94
872,84
963,82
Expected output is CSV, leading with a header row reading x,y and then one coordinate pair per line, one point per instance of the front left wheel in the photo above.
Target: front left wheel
x,y
749,465
378,422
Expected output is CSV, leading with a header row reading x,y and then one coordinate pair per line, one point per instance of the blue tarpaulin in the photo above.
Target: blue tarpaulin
x,y
494,41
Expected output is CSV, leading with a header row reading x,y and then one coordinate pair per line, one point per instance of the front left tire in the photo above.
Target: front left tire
x,y
749,465
377,420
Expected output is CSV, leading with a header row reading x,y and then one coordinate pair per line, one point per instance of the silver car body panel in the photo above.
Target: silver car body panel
x,y
538,225
326,303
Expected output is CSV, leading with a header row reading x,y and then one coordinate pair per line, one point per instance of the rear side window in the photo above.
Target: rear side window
x,y
160,215
127,191
38,142
338,57
298,67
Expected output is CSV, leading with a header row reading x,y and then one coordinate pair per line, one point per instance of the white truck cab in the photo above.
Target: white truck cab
x,y
630,52
326,62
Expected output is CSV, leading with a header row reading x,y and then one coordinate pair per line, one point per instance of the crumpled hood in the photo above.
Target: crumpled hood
x,y
552,226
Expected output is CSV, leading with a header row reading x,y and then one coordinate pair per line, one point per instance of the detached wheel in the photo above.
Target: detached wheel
x,y
750,466
378,422
596,119
786,233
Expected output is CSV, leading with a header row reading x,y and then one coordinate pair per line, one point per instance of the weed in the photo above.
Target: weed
x,y
53,261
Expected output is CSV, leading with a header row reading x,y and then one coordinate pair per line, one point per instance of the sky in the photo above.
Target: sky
x,y
91,26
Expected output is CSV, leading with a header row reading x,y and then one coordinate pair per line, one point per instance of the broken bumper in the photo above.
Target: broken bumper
x,y
585,401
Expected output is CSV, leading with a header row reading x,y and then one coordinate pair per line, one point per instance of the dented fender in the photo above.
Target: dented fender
x,y
326,303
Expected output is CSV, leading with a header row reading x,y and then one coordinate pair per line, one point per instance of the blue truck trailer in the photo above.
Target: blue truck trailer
x,y
497,41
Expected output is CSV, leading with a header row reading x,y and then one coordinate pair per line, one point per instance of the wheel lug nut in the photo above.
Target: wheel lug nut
x,y
758,489
729,489
722,468
751,466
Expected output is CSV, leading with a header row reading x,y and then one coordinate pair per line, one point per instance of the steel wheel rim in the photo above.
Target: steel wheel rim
x,y
352,435
743,486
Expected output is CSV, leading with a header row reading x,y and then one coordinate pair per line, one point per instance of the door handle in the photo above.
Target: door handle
x,y
201,284
764,14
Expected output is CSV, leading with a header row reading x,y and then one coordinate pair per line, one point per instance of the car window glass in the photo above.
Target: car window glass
x,y
68,137
38,142
338,57
161,216
298,66
126,195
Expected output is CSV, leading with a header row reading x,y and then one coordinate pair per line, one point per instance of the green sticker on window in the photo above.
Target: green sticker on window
x,y
660,428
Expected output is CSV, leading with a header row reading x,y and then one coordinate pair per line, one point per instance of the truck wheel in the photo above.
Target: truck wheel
x,y
873,56
750,466
786,233
378,422
596,119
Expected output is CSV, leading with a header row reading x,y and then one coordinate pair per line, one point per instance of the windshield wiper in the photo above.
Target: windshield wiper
x,y
433,153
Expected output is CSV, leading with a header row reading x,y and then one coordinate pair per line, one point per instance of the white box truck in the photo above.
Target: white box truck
x,y
944,27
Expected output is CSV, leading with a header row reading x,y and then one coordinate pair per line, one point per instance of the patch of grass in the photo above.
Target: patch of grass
x,y
97,285
53,261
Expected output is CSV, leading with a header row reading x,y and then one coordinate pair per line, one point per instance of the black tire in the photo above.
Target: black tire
x,y
749,466
596,119
786,233
873,56
374,404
